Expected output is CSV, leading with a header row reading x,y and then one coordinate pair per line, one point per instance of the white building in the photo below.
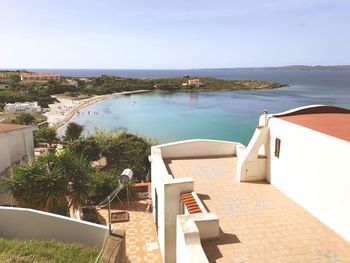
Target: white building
x,y
283,198
17,145
22,107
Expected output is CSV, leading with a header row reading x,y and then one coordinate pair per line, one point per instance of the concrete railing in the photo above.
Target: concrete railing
x,y
23,223
198,148
190,230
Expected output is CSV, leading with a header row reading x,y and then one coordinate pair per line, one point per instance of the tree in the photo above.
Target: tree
x,y
46,133
15,79
128,151
25,118
89,147
39,185
52,182
73,131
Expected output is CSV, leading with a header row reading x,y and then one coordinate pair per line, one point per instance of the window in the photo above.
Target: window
x,y
277,147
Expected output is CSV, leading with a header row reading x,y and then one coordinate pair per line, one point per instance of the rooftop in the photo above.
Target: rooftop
x,y
12,127
258,223
333,124
330,120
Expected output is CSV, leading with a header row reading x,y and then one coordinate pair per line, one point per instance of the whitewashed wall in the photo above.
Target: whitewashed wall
x,y
22,223
314,170
15,146
169,189
199,148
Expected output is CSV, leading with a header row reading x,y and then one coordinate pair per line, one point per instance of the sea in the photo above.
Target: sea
x,y
224,115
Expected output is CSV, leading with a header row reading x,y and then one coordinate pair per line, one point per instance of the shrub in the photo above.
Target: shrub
x,y
73,131
128,151
89,147
46,133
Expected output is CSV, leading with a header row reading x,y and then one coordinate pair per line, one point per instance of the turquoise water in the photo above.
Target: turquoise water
x,y
215,115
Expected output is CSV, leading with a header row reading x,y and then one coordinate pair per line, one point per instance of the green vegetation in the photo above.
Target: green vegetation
x,y
23,118
57,182
109,84
53,182
47,134
45,251
42,91
87,146
73,131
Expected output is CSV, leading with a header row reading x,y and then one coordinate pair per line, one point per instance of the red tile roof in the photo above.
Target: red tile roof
x,y
190,203
12,127
333,124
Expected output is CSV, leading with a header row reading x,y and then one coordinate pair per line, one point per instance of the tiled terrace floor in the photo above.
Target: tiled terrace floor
x,y
141,238
258,223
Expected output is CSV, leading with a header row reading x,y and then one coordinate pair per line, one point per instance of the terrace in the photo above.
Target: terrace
x,y
256,222
141,238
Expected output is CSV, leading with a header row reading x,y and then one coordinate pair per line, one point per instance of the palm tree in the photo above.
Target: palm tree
x,y
22,185
51,182
76,170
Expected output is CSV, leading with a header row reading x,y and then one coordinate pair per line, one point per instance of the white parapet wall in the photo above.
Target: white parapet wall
x,y
167,190
23,223
190,230
198,148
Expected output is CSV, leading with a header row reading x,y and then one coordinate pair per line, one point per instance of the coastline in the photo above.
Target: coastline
x,y
63,111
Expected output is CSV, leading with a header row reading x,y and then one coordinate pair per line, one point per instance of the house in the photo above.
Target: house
x,y
17,145
6,75
283,198
71,82
39,76
4,86
193,82
22,107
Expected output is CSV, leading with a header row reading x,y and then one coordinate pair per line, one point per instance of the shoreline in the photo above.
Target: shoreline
x,y
60,113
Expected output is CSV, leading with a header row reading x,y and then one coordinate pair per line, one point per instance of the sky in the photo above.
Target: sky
x,y
178,34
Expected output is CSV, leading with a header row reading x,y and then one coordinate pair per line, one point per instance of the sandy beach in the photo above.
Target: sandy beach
x,y
63,111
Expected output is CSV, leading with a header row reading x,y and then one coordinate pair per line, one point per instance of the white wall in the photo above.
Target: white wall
x,y
249,166
314,170
22,223
15,146
198,148
169,189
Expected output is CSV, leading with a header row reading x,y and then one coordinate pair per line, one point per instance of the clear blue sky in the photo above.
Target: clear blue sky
x,y
164,34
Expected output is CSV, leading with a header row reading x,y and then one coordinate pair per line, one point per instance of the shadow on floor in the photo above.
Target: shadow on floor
x,y
211,247
204,197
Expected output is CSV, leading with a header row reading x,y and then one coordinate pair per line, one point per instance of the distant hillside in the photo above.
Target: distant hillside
x,y
293,67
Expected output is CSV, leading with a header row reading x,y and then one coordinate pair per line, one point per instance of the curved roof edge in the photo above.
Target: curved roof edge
x,y
312,109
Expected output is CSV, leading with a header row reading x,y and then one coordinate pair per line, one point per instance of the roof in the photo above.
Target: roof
x,y
332,121
40,75
12,127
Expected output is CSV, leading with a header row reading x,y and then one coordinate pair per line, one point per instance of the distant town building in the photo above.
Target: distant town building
x,y
192,82
17,145
4,86
71,82
86,80
7,74
39,76
22,107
